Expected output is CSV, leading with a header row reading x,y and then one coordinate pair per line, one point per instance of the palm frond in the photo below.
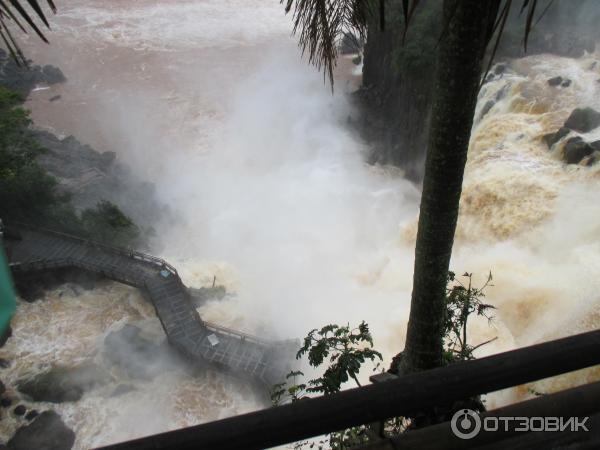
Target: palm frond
x,y
13,10
321,24
408,8
531,6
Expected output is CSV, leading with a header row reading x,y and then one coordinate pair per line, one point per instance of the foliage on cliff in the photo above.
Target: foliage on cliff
x,y
28,193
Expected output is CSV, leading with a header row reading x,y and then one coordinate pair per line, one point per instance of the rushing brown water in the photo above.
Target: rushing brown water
x,y
211,101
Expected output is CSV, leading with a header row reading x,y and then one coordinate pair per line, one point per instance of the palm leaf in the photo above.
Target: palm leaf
x,y
409,10
7,10
16,5
36,7
13,10
321,24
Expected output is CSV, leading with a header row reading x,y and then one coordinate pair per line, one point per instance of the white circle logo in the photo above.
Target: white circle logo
x,y
465,424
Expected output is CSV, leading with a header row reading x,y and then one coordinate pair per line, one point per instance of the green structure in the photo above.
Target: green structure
x,y
8,303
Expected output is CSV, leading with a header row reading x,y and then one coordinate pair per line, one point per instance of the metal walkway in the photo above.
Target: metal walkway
x,y
237,352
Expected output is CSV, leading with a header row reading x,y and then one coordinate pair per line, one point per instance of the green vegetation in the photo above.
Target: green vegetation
x,y
107,223
414,54
29,194
462,301
346,350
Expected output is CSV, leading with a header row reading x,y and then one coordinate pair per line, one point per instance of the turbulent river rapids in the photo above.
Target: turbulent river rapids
x,y
269,192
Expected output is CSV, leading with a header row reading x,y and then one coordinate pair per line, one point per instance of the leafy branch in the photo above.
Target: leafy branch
x,y
462,301
347,349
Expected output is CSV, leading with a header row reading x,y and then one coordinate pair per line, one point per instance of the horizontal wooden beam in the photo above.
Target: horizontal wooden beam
x,y
410,393
548,440
581,401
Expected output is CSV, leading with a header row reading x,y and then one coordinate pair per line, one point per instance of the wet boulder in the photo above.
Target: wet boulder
x,y
32,414
350,44
200,296
591,159
4,363
552,138
500,68
23,79
583,120
4,337
20,410
46,432
555,81
63,384
566,83
136,355
576,149
595,145
52,75
486,108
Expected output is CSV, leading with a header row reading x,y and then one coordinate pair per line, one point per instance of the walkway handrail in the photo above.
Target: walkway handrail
x,y
376,402
249,337
89,242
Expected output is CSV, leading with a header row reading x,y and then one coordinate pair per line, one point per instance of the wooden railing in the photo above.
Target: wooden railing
x,y
249,337
376,402
130,253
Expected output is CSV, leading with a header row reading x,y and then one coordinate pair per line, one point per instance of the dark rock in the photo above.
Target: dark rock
x,y
502,92
5,336
499,69
5,402
24,79
595,145
555,81
486,108
350,44
576,149
63,384
583,120
29,292
2,388
54,98
593,159
53,75
137,356
20,410
204,294
4,363
32,414
552,138
566,83
46,432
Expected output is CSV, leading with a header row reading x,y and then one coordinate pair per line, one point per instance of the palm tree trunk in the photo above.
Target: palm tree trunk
x,y
457,83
